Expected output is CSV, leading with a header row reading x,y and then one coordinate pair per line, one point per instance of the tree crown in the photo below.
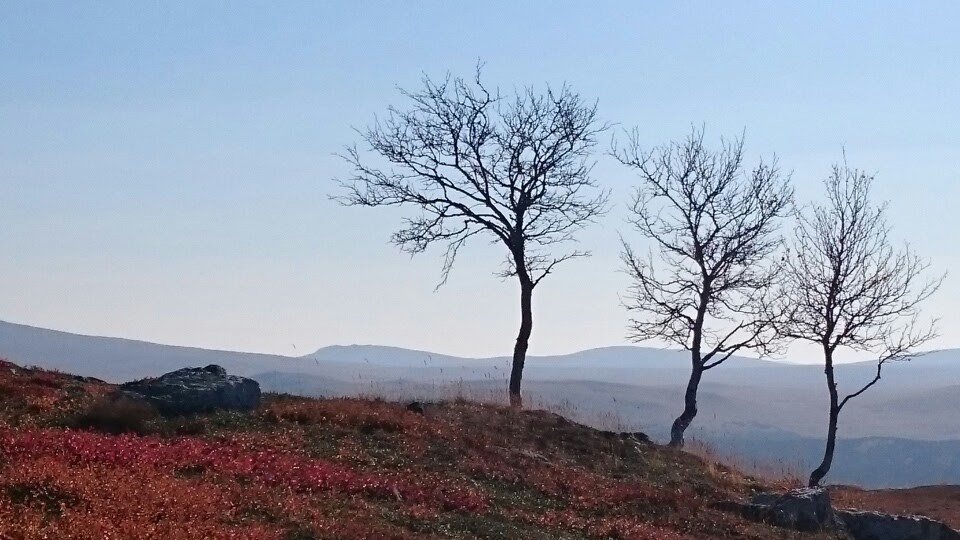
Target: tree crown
x,y
473,162
713,226
847,284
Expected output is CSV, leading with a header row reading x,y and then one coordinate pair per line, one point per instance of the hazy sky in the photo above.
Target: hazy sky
x,y
165,168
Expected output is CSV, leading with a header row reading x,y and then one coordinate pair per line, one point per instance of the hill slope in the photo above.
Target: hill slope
x,y
303,469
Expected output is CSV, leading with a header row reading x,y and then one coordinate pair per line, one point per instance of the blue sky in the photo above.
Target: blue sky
x,y
165,167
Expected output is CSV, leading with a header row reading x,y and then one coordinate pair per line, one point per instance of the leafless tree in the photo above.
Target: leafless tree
x,y
517,170
848,287
713,226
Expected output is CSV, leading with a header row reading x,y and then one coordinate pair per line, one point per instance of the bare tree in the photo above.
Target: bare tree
x,y
472,163
713,227
848,287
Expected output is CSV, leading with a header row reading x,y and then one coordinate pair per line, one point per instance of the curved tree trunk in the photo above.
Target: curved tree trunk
x,y
683,421
523,340
821,471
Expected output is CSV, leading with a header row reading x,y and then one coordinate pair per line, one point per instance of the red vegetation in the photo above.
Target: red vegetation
x,y
302,469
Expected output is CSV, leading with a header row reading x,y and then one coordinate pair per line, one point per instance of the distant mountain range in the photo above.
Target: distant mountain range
x,y
905,431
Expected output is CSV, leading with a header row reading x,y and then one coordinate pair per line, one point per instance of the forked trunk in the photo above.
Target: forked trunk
x,y
683,421
523,341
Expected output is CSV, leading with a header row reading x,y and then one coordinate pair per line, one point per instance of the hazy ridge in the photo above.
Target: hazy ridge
x,y
904,432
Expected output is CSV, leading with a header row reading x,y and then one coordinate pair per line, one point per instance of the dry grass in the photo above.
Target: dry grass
x,y
781,474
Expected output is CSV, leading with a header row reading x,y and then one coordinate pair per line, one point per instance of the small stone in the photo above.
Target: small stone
x,y
415,407
637,436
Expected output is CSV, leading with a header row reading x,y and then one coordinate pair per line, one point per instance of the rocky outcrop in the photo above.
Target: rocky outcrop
x,y
195,390
879,526
810,509
798,509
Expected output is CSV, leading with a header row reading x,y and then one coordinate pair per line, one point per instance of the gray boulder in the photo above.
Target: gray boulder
x,y
798,509
879,526
195,390
804,509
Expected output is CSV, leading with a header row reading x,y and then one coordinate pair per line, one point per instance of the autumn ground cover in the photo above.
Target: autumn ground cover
x,y
76,464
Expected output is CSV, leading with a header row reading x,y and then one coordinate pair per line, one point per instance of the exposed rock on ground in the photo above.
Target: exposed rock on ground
x,y
799,509
879,526
415,407
195,390
810,509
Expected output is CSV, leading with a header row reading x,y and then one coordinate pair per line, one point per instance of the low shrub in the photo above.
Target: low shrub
x,y
50,498
116,414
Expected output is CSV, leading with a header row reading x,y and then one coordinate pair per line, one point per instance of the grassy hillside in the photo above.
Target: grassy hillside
x,y
75,465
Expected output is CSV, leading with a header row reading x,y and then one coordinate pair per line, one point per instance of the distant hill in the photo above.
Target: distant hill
x,y
115,359
768,411
873,462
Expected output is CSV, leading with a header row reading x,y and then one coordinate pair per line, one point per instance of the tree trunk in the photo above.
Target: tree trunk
x,y
820,472
523,340
683,421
